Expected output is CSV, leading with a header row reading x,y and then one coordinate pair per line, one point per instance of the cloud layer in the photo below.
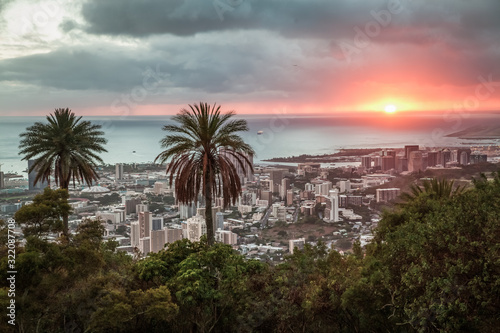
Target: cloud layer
x,y
306,55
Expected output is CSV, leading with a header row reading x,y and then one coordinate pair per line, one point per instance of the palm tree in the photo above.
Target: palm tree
x,y
205,153
65,146
435,189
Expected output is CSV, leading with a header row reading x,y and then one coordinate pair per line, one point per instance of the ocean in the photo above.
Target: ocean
x,y
136,138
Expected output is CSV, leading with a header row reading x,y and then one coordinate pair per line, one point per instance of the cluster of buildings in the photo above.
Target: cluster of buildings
x,y
268,197
414,159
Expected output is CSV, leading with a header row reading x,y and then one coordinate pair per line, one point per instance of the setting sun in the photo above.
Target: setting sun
x,y
390,108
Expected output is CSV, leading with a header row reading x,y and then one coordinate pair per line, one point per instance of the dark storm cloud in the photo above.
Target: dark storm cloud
x,y
188,17
71,70
292,18
212,67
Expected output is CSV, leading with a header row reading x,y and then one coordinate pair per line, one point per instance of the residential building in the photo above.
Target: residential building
x,y
145,224
387,194
296,243
196,227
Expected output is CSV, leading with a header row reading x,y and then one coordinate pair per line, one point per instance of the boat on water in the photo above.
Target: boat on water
x,y
260,132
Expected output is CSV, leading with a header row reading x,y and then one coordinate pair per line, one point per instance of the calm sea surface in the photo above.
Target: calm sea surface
x,y
136,139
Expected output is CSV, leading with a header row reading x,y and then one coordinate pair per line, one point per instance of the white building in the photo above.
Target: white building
x,y
141,208
226,237
157,240
134,234
345,186
296,243
309,187
196,227
323,188
145,245
145,224
334,209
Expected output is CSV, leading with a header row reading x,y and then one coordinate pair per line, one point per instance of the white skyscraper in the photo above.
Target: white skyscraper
x,y
334,210
134,234
118,171
196,227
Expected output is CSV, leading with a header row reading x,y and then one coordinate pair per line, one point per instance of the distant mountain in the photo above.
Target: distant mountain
x,y
478,132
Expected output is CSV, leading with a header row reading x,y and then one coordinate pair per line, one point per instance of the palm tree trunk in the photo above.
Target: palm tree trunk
x,y
65,186
208,210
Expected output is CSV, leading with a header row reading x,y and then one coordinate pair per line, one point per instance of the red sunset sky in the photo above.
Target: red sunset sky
x,y
254,56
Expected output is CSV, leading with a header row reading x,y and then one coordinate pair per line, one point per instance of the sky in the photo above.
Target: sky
x,y
153,57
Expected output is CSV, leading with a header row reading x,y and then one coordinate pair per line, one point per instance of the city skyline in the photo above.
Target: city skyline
x,y
153,58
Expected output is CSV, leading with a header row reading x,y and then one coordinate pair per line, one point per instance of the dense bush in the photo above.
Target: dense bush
x,y
434,266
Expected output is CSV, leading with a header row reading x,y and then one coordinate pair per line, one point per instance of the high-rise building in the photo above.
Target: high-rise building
x,y
387,194
119,171
416,162
226,237
334,205
158,188
145,245
388,163
366,162
401,163
196,227
289,197
173,235
157,240
157,223
244,172
266,195
323,188
2,179
40,185
187,210
145,224
377,162
134,234
219,221
432,158
463,156
390,153
201,211
309,187
345,186
131,205
409,149
275,175
285,186
445,157
140,208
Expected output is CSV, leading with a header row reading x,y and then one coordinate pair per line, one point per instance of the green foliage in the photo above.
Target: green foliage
x,y
433,267
65,145
45,214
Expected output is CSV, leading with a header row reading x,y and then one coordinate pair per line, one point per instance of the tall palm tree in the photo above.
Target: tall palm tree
x,y
65,146
205,153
